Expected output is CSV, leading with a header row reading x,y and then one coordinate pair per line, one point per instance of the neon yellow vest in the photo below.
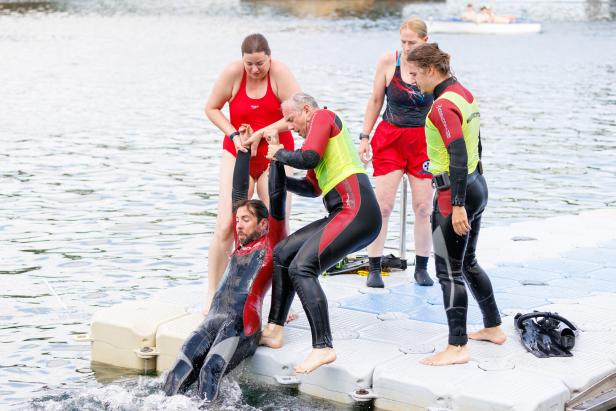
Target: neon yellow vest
x,y
437,152
339,161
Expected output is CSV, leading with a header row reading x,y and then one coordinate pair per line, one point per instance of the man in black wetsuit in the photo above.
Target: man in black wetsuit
x,y
231,331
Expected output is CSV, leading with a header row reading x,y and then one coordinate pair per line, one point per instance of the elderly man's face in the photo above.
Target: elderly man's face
x,y
297,120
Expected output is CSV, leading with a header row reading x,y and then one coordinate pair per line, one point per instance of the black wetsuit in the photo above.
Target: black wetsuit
x,y
455,255
231,331
353,222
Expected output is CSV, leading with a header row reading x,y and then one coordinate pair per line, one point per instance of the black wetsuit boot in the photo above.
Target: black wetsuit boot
x,y
374,273
421,271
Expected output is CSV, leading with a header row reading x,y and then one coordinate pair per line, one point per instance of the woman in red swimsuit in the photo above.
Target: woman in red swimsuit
x,y
254,87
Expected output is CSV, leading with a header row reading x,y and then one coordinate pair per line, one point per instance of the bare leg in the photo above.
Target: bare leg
x,y
491,334
222,240
316,358
421,192
386,189
453,354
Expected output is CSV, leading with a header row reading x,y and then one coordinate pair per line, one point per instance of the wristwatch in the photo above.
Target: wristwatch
x,y
233,135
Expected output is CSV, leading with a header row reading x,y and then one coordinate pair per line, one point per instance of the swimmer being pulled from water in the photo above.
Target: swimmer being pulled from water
x,y
231,330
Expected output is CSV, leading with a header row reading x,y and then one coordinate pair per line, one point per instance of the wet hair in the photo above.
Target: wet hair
x,y
429,55
255,43
255,207
298,100
416,25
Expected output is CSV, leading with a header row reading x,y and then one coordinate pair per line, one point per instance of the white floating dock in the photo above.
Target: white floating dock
x,y
564,264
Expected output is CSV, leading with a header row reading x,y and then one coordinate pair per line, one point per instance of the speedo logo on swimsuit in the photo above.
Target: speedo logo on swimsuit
x,y
254,107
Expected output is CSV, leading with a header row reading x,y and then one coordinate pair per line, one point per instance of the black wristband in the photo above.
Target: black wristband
x,y
233,135
364,135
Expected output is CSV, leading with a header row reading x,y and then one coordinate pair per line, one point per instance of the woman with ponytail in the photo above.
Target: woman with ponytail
x,y
454,149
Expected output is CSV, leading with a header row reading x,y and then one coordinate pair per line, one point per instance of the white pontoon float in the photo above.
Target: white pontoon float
x,y
565,264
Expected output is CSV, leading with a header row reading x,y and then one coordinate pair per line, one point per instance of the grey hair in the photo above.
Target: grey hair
x,y
298,100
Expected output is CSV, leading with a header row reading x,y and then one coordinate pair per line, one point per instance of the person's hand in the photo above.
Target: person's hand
x,y
271,136
245,131
272,149
364,151
254,140
459,220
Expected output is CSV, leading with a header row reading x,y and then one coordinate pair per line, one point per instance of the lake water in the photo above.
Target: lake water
x,y
109,168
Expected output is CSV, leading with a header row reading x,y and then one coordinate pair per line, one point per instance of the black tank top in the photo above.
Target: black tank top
x,y
406,106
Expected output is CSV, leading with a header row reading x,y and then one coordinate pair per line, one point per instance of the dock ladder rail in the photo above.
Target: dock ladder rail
x,y
403,210
599,397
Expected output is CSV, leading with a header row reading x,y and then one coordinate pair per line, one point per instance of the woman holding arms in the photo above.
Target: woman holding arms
x,y
254,87
399,147
452,135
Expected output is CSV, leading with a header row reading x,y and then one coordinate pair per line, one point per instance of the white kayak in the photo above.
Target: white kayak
x,y
452,26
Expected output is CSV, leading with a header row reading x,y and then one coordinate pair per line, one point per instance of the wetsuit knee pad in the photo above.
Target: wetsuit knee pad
x,y
179,378
210,376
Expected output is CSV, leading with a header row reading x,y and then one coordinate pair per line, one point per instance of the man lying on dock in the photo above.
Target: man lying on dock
x,y
231,331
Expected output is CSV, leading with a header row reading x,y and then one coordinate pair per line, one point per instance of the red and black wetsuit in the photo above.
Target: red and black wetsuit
x,y
231,331
454,255
353,222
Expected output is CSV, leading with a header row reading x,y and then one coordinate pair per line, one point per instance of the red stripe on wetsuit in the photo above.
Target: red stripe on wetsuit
x,y
348,190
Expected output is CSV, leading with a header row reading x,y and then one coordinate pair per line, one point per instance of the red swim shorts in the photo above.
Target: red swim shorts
x,y
259,163
396,148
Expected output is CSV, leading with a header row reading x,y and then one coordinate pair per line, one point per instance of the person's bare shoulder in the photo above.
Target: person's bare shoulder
x,y
279,68
234,69
387,59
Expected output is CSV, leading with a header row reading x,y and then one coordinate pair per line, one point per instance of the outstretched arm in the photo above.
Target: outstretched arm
x,y
305,186
241,171
277,187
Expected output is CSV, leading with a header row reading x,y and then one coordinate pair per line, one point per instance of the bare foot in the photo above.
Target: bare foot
x,y
272,336
491,334
292,316
316,358
453,354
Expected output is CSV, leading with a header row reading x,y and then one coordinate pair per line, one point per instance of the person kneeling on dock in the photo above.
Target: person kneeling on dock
x,y
353,221
231,331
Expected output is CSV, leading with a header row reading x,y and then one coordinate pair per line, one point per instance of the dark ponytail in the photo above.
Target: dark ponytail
x,y
429,55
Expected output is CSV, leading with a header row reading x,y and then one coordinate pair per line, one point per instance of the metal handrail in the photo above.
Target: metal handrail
x,y
403,201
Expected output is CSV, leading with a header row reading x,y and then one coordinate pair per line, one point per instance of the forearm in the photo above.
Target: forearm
x,y
302,187
215,116
303,160
458,170
280,126
240,177
371,115
277,187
